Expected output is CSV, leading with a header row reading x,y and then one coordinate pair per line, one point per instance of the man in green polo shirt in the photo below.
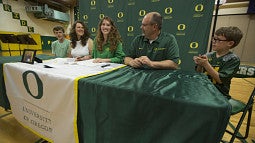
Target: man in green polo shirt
x,y
153,49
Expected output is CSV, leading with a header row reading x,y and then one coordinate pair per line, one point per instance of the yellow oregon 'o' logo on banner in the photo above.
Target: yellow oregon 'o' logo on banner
x,y
110,1
193,45
181,27
168,10
142,12
85,17
199,7
93,3
130,28
93,29
120,14
101,16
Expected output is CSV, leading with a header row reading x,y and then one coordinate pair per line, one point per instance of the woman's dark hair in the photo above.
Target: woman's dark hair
x,y
73,34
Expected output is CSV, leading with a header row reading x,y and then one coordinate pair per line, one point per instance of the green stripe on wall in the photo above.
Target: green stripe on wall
x,y
46,42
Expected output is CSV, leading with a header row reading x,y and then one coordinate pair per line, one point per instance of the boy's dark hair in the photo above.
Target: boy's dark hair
x,y
57,28
231,33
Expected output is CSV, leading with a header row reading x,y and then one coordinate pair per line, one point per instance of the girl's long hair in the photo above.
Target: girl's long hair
x,y
113,37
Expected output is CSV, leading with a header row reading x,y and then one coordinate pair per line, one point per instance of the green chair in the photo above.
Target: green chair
x,y
241,107
238,107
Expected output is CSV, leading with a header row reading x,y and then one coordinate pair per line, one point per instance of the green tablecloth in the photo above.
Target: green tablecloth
x,y
146,106
150,106
3,98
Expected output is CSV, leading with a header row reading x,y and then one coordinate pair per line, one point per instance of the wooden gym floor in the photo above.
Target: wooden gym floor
x,y
13,132
241,88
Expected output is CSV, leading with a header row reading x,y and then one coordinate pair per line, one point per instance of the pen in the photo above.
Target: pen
x,y
105,65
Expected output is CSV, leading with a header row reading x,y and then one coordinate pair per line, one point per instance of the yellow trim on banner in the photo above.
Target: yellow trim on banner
x,y
85,76
76,110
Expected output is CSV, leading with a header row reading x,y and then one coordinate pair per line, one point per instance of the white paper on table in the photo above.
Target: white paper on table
x,y
71,61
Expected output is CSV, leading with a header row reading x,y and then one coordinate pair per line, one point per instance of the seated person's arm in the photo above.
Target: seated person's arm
x,y
144,60
94,55
118,55
90,46
69,55
198,68
165,64
202,61
214,74
136,63
131,58
100,60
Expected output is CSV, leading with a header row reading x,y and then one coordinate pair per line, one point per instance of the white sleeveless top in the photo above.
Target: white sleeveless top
x,y
80,50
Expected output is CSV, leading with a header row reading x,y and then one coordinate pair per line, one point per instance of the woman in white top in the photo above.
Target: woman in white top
x,y
81,43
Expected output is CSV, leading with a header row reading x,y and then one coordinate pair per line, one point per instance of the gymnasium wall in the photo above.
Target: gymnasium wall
x,y
15,20
235,14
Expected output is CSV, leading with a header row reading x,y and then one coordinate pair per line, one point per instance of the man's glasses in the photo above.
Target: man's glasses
x,y
214,39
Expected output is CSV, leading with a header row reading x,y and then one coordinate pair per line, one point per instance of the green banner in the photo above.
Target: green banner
x,y
46,42
189,21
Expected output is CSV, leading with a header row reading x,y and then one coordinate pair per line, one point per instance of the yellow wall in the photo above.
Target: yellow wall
x,y
15,48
